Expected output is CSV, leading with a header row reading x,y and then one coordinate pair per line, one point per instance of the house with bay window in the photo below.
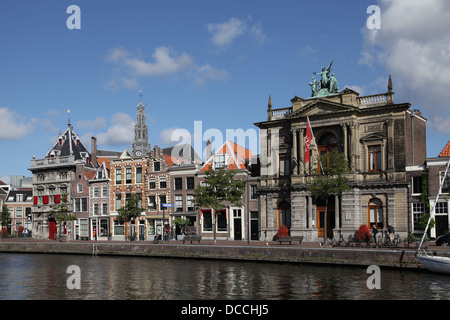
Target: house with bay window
x,y
378,137
62,172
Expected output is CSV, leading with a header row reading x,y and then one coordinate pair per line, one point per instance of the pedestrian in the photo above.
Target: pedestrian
x,y
25,233
374,233
391,231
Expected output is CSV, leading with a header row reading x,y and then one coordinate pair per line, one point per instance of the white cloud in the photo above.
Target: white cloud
x,y
166,62
207,72
97,123
413,45
130,67
120,131
257,33
165,136
11,126
223,34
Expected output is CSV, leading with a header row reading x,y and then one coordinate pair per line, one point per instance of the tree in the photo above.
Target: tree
x,y
61,212
220,188
330,181
5,217
424,198
132,210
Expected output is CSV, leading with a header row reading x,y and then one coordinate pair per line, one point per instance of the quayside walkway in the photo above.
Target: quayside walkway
x,y
401,257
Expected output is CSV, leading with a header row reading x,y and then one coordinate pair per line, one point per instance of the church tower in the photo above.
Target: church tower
x,y
140,146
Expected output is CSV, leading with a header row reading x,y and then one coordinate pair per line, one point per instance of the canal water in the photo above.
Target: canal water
x,y
45,276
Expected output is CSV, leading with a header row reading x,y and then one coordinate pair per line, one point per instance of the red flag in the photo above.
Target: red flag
x,y
308,141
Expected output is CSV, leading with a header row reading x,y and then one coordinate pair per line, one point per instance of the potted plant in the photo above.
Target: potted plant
x,y
363,234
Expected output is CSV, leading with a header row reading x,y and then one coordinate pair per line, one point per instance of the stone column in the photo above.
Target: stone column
x,y
344,129
336,212
294,155
310,217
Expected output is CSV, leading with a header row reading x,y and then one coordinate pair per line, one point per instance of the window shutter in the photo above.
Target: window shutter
x,y
35,200
46,199
57,198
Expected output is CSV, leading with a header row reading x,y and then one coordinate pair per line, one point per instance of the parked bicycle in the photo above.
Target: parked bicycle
x,y
385,239
340,241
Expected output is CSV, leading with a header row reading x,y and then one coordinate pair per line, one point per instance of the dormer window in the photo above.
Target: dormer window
x,y
219,161
60,141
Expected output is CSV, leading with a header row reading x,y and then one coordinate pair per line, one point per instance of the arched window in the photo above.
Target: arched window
x,y
284,214
376,213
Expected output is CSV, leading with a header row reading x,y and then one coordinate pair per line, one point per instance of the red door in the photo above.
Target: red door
x,y
51,229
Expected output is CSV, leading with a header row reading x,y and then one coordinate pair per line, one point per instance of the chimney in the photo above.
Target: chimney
x,y
94,151
208,149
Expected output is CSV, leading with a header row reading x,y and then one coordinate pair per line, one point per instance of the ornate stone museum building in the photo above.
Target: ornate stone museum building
x,y
379,139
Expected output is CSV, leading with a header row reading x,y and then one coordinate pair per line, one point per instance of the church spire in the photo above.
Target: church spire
x,y
141,145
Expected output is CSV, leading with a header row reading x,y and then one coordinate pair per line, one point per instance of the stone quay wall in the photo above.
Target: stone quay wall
x,y
399,258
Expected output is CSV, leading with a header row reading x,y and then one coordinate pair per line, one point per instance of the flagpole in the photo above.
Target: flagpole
x,y
315,145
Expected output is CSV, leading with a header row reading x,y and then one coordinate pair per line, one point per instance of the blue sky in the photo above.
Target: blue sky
x,y
209,61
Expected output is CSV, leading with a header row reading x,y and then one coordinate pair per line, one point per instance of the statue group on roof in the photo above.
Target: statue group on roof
x,y
327,84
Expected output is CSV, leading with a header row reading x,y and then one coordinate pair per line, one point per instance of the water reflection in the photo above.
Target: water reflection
x,y
41,276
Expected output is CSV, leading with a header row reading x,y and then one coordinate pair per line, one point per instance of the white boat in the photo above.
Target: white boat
x,y
431,262
434,263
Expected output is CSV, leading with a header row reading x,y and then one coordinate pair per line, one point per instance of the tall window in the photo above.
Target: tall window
x,y
138,174
152,203
376,213
162,183
253,192
418,210
284,165
374,158
190,200
104,192
178,184
162,199
128,175
152,183
207,220
417,185
119,176
221,217
118,201
156,166
190,183
178,203
446,186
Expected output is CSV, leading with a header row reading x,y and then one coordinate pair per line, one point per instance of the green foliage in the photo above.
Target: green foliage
x,y
220,188
61,212
131,209
331,180
181,223
424,220
5,216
